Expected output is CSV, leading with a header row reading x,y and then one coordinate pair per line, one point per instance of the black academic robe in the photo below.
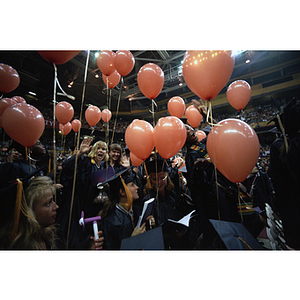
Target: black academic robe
x,y
118,225
84,196
285,177
165,208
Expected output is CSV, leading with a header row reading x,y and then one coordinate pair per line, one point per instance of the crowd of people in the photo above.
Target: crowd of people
x,y
95,197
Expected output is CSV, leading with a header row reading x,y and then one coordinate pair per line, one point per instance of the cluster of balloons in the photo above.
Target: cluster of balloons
x,y
114,65
168,137
23,123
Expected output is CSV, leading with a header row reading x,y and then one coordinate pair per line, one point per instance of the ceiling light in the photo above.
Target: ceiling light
x,y
180,83
97,75
247,61
69,85
96,54
32,93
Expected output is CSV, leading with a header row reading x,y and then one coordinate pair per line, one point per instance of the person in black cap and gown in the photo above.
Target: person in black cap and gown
x,y
119,214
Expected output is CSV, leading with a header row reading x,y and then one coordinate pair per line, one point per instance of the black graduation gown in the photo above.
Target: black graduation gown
x,y
285,178
118,225
84,195
165,208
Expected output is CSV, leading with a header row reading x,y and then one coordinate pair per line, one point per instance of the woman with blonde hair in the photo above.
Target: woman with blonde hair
x,y
36,229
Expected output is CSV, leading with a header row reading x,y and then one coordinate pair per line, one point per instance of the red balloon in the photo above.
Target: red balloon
x,y
112,80
58,57
207,72
135,160
193,116
139,138
201,135
23,123
64,112
169,136
176,107
19,99
150,80
66,128
239,94
106,115
105,62
76,125
233,147
124,62
5,103
93,115
9,78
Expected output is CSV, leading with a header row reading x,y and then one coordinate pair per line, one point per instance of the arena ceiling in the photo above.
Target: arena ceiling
x,y
270,73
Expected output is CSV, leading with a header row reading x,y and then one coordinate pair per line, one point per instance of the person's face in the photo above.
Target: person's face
x,y
38,148
133,188
45,209
15,155
161,181
191,137
114,154
100,154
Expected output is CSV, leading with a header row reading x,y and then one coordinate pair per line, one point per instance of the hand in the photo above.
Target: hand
x,y
200,106
58,186
85,146
125,162
97,245
140,230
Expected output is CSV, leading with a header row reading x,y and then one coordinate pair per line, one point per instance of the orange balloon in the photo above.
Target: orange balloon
x,y
9,78
135,160
19,99
169,136
193,116
23,123
176,107
150,80
239,94
76,125
201,135
58,57
5,103
207,72
124,62
64,112
105,62
66,128
112,80
139,138
92,115
233,147
106,115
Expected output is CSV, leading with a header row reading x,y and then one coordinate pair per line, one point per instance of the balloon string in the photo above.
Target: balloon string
x,y
69,96
120,91
152,111
77,146
283,133
54,137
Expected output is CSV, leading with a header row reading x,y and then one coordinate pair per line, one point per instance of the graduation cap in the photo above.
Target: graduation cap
x,y
157,165
235,236
149,240
20,148
118,181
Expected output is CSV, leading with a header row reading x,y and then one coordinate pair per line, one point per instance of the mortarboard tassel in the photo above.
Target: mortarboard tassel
x,y
128,194
17,208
